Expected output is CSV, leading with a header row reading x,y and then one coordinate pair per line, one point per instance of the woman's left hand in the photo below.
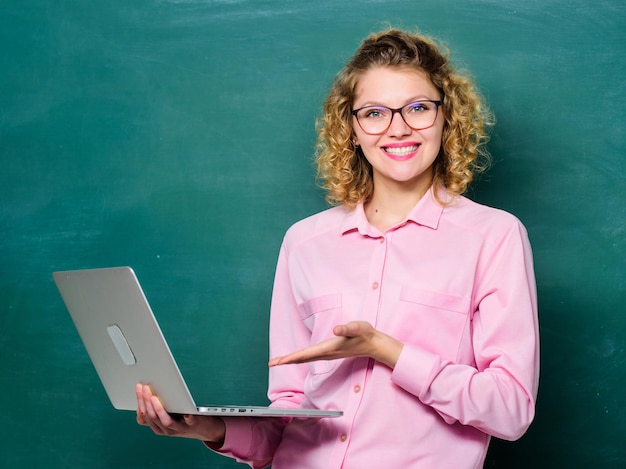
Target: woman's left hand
x,y
354,339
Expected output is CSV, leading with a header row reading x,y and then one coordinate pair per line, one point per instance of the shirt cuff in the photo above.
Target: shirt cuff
x,y
415,370
238,430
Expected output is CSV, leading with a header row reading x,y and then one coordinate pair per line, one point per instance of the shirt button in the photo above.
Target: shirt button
x,y
374,285
382,240
343,437
357,388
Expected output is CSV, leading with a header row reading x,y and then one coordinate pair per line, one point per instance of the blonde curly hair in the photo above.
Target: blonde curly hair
x,y
342,169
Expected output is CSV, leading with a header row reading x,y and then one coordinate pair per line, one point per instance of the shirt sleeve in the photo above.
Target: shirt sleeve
x,y
498,394
251,441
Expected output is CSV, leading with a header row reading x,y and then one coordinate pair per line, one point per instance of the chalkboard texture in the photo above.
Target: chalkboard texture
x,y
176,136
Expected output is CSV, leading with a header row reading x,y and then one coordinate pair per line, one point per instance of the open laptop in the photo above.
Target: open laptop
x,y
126,346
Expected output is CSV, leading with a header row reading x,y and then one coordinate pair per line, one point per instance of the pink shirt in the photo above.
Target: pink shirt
x,y
456,286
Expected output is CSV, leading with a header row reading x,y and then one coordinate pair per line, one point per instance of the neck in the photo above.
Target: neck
x,y
387,208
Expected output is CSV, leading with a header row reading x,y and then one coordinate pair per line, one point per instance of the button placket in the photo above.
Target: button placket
x,y
377,268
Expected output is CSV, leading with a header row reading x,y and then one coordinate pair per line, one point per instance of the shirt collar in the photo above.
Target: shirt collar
x,y
427,212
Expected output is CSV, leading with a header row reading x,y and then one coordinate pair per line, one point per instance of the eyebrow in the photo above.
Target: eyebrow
x,y
412,100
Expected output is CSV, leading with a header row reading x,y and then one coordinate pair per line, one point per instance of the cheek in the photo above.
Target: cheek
x,y
368,149
364,140
435,135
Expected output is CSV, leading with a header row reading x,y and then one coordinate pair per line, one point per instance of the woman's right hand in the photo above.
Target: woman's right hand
x,y
150,412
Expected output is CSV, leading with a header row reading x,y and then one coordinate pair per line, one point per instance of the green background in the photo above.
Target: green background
x,y
176,136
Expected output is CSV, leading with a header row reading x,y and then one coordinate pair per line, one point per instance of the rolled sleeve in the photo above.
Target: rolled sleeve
x,y
251,441
415,370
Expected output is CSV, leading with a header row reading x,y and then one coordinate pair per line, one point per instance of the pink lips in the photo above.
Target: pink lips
x,y
401,151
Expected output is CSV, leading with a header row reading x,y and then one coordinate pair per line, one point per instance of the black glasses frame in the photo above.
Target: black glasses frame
x,y
437,103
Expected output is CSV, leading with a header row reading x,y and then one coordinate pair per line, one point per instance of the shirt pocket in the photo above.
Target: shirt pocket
x,y
320,315
434,321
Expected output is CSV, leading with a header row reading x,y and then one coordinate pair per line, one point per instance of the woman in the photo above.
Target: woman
x,y
406,306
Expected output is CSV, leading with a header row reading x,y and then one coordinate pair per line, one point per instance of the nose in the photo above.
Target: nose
x,y
398,126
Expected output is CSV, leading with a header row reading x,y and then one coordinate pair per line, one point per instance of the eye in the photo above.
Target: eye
x,y
419,107
373,113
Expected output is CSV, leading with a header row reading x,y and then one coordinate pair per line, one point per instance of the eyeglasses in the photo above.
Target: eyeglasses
x,y
419,115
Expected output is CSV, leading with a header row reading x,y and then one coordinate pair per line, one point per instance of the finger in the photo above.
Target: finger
x,y
146,414
157,427
301,356
156,416
352,329
141,406
290,359
164,417
146,395
325,350
284,360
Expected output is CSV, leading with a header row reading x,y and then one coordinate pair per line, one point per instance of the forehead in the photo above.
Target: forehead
x,y
393,86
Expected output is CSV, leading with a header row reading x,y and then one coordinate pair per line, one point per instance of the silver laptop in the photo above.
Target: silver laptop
x,y
126,346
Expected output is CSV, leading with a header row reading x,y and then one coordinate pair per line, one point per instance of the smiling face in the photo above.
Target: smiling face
x,y
400,157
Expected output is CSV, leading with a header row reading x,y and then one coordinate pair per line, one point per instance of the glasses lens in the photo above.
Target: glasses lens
x,y
420,115
373,119
417,115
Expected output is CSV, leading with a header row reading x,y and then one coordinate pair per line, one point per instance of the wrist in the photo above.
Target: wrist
x,y
220,431
214,433
387,349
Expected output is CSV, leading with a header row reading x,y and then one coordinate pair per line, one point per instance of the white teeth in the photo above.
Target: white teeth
x,y
401,150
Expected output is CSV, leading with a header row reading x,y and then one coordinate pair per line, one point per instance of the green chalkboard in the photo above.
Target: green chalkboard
x,y
176,136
